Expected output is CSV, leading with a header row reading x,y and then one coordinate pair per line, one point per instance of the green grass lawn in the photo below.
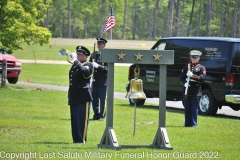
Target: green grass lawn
x,y
58,75
43,52
38,122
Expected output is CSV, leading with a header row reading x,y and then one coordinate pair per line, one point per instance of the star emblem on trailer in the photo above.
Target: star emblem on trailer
x,y
138,56
121,56
157,57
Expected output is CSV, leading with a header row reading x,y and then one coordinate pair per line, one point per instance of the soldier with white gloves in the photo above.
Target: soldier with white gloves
x,y
99,87
196,74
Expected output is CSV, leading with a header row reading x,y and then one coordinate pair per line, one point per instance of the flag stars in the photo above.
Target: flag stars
x,y
110,21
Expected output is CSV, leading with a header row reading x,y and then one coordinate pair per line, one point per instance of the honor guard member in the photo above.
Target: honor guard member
x,y
100,81
196,74
79,93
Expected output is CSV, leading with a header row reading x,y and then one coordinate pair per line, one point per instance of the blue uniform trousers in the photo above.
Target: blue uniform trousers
x,y
191,110
79,122
99,94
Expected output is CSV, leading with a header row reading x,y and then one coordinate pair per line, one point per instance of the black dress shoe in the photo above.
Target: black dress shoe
x,y
80,142
101,119
95,118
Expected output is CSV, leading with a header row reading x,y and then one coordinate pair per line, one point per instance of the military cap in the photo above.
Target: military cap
x,y
195,53
101,41
82,50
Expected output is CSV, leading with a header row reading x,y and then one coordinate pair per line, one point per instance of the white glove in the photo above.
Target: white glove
x,y
95,65
73,56
189,74
185,85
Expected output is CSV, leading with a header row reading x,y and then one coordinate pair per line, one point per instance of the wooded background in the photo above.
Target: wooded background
x,y
37,21
144,19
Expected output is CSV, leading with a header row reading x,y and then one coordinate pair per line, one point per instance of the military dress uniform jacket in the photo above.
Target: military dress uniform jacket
x,y
199,73
100,73
79,91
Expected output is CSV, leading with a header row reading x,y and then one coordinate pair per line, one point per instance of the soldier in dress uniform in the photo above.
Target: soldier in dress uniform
x,y
79,93
100,81
196,74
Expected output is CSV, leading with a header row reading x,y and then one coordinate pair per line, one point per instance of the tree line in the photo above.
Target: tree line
x,y
36,21
144,19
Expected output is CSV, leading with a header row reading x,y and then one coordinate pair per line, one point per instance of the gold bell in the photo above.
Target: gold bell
x,y
136,87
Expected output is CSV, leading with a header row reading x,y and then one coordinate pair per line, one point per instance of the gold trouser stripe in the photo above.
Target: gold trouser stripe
x,y
86,122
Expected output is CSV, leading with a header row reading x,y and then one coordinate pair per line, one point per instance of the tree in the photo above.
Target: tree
x,y
177,18
234,20
47,16
208,17
170,17
69,20
102,17
124,19
199,18
191,16
19,23
134,20
155,19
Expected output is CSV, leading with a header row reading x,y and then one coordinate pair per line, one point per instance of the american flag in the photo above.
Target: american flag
x,y
110,22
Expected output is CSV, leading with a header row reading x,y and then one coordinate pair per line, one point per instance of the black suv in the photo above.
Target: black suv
x,y
220,56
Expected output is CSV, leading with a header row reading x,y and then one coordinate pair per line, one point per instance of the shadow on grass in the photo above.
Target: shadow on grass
x,y
51,143
66,119
180,111
75,145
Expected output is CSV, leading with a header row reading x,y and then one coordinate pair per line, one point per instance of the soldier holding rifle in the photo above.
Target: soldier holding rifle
x,y
192,91
79,93
99,85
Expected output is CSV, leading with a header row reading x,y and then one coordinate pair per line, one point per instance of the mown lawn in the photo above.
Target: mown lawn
x,y
58,75
37,123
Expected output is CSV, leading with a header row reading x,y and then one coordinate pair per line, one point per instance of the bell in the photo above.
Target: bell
x,y
136,89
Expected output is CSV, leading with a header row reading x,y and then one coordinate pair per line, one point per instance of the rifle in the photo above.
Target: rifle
x,y
188,78
94,60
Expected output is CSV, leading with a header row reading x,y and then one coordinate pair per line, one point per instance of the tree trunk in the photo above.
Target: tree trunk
x,y
234,22
190,21
69,20
170,17
85,26
61,25
222,18
155,19
134,20
102,20
148,20
47,16
177,18
208,21
124,19
199,18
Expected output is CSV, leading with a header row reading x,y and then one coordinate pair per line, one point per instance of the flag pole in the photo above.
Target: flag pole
x,y
111,37
111,29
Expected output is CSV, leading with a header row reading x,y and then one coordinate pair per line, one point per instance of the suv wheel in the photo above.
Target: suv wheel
x,y
207,104
13,80
139,102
